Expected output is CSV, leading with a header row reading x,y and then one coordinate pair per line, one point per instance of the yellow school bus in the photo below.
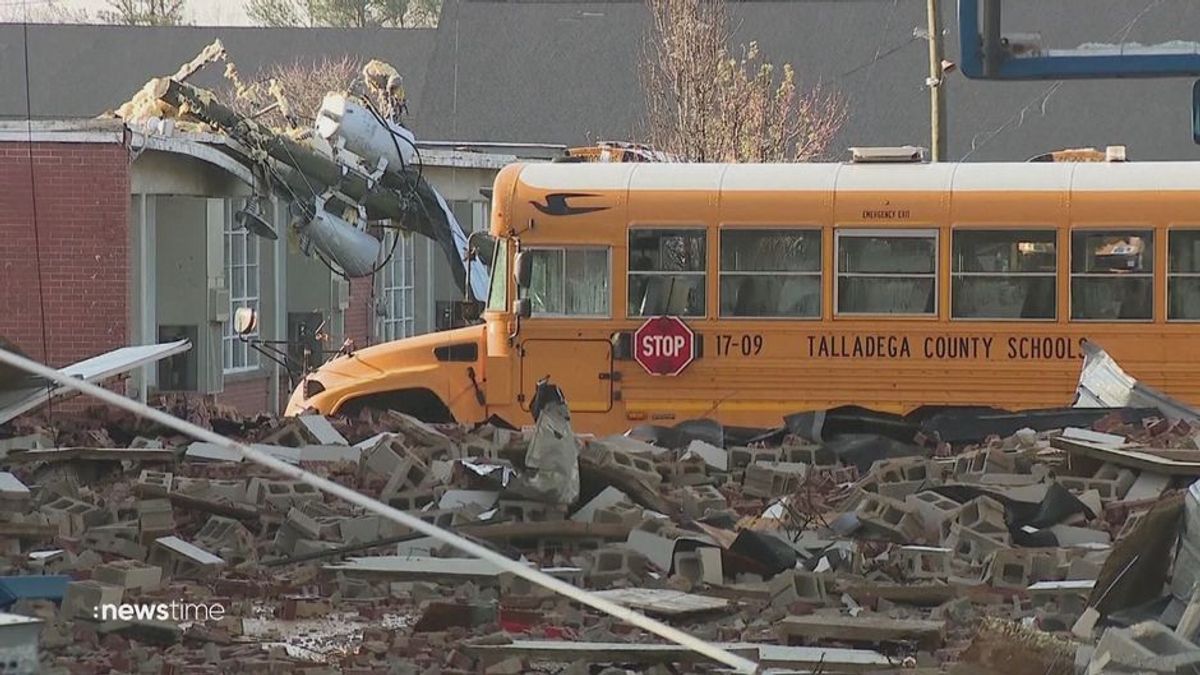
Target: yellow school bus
x,y
887,285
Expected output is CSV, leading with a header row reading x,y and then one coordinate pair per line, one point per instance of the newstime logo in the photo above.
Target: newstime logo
x,y
178,612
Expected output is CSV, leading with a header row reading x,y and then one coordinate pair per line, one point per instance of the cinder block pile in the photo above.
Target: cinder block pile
x,y
911,560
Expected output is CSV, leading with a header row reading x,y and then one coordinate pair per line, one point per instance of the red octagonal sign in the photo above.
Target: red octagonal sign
x,y
664,345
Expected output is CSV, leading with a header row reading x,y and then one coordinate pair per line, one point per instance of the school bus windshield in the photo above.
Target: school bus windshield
x,y
498,293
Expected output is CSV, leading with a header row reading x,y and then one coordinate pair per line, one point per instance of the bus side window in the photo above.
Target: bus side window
x,y
1112,275
570,282
770,273
1004,274
666,272
1183,275
887,272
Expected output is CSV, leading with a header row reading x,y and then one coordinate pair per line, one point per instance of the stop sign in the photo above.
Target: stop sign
x,y
664,345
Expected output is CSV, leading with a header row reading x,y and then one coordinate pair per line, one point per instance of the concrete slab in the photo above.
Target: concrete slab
x,y
663,601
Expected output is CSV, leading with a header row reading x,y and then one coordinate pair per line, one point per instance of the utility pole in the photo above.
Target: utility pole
x,y
937,97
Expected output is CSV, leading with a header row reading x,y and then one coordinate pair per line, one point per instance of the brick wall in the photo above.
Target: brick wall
x,y
249,396
358,314
83,221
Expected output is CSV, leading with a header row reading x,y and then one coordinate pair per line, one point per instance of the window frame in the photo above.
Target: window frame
x,y
703,274
955,229
402,262
562,249
910,232
1177,275
232,235
1072,274
755,227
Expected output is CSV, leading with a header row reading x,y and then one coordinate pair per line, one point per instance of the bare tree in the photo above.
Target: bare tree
x,y
305,84
144,12
46,11
345,13
706,105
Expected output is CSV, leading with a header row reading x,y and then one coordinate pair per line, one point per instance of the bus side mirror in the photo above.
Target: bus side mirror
x,y
245,321
523,269
1196,112
523,308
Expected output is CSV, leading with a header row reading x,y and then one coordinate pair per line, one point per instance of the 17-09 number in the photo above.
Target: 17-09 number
x,y
746,345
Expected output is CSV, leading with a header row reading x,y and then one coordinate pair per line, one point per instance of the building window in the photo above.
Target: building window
x,y
241,274
1183,275
887,272
771,273
1004,274
569,282
396,291
666,272
1112,275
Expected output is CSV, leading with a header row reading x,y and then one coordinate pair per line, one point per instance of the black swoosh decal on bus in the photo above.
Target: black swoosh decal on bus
x,y
556,204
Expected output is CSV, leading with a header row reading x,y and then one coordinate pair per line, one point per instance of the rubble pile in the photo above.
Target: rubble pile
x,y
1056,548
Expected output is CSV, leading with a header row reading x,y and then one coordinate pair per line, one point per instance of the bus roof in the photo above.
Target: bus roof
x,y
954,177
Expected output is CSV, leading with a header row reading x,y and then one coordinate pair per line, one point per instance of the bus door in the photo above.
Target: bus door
x,y
581,368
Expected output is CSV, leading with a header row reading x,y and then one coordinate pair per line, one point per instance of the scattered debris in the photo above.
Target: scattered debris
x,y
1046,550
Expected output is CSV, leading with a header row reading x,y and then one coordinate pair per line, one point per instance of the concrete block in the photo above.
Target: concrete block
x,y
214,490
687,564
129,575
607,497
360,529
156,518
802,452
84,599
793,586
73,516
899,478
1144,647
700,499
685,472
971,546
280,495
639,466
528,511
890,518
711,455
1111,481
712,570
740,458
934,510
771,480
624,513
984,515
117,539
613,563
412,500
923,562
155,482
228,539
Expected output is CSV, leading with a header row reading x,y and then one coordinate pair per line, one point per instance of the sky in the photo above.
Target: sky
x,y
199,12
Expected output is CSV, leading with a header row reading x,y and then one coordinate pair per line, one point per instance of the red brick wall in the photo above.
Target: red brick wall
x,y
83,222
248,396
358,314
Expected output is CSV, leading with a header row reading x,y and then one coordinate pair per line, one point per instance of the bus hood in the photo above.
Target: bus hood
x,y
399,364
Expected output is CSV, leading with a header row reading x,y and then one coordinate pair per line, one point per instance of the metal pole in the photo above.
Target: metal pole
x,y
937,98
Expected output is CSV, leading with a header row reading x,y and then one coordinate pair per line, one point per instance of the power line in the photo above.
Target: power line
x,y
37,239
